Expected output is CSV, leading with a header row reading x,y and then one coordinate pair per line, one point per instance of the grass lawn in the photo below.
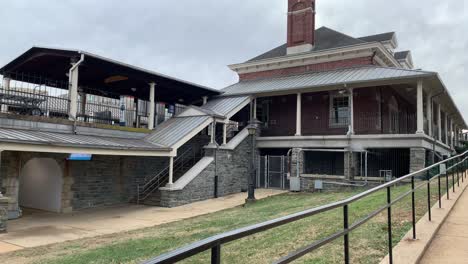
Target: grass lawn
x,y
368,243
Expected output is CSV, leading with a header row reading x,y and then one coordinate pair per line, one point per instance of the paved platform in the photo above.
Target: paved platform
x,y
450,244
37,228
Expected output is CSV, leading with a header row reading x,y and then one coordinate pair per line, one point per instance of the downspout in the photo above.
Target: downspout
x,y
74,67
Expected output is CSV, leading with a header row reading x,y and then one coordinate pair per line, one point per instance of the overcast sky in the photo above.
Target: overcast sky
x,y
196,39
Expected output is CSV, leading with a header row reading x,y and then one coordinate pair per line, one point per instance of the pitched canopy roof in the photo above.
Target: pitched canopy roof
x,y
96,71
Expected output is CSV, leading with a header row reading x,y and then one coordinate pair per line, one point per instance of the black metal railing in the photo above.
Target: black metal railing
x,y
33,95
26,94
375,123
454,167
181,164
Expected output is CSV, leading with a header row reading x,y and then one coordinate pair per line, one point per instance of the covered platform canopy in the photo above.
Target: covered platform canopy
x,y
104,77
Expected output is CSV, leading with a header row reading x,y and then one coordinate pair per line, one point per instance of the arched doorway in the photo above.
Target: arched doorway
x,y
41,184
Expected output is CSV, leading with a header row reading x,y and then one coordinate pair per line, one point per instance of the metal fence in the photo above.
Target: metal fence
x,y
33,95
454,168
272,172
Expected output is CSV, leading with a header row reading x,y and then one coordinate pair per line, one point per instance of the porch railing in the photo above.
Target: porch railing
x,y
32,95
454,168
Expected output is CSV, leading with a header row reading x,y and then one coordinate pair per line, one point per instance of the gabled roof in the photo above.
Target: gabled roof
x,y
226,105
401,55
354,75
325,38
379,37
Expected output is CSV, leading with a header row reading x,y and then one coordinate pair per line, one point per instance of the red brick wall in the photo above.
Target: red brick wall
x,y
282,119
369,120
301,25
316,115
308,68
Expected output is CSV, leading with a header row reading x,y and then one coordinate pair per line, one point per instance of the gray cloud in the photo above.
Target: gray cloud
x,y
195,40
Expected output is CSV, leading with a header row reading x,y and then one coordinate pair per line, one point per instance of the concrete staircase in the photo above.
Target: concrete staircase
x,y
148,193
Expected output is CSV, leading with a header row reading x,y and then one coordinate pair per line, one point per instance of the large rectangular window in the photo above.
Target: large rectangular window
x,y
339,110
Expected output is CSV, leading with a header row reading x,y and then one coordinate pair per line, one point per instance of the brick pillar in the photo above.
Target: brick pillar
x,y
297,159
417,159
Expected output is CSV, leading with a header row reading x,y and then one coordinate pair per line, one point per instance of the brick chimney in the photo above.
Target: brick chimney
x,y
301,26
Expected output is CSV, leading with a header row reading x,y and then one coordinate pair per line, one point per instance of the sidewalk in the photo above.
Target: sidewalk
x,y
42,228
450,245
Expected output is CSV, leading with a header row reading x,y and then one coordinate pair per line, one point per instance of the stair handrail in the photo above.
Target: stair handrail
x,y
155,182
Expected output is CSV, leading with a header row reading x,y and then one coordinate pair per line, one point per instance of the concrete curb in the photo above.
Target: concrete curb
x,y
409,251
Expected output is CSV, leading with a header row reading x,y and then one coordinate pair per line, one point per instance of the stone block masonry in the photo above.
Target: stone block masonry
x,y
106,180
232,168
417,159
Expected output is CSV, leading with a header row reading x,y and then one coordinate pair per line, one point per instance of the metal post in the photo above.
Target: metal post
x,y
346,236
251,187
389,220
429,194
453,180
447,182
216,254
440,193
458,174
413,208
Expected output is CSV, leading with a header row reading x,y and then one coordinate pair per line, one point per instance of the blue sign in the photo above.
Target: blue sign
x,y
80,157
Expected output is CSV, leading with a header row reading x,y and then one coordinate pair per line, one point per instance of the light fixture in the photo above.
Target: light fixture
x,y
252,129
133,89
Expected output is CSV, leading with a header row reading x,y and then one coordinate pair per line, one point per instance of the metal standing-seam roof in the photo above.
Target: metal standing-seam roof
x,y
225,105
321,79
173,130
73,140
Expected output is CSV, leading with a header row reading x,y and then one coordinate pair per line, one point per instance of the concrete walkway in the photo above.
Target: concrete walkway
x,y
450,245
42,228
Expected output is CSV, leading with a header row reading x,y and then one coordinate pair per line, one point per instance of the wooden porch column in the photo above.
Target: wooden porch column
x,y
439,122
255,109
225,133
351,111
452,135
420,108
213,132
151,105
446,129
171,170
429,114
299,115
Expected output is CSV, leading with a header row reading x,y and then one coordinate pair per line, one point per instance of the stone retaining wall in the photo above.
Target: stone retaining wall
x,y
232,167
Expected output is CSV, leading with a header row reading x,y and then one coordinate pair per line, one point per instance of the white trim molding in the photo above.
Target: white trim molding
x,y
382,56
